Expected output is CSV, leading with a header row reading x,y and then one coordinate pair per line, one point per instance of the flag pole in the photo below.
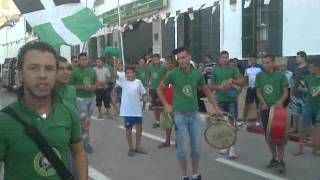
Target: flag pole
x,y
120,33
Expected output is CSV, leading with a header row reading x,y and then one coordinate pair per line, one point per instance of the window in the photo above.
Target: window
x,y
262,28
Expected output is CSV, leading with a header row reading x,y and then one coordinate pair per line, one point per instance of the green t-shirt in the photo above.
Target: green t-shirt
x,y
68,93
185,89
22,158
313,84
219,76
156,74
271,86
141,74
80,76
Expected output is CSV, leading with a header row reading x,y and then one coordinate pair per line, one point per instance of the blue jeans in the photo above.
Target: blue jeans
x,y
191,122
86,109
230,107
310,116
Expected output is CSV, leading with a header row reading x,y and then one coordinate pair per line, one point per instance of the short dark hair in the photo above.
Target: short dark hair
x,y
271,56
128,68
62,59
102,58
224,52
172,60
74,57
252,55
181,49
208,56
302,54
156,56
82,54
35,45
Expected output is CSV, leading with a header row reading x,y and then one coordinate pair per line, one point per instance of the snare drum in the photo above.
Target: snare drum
x,y
277,129
220,132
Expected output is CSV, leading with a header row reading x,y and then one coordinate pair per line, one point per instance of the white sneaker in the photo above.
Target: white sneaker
x,y
232,153
223,151
258,124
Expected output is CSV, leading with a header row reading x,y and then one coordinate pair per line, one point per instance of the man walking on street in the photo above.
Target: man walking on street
x,y
39,105
103,74
185,80
224,80
65,90
84,78
272,90
251,96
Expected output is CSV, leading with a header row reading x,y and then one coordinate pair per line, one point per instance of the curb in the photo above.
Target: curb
x,y
259,130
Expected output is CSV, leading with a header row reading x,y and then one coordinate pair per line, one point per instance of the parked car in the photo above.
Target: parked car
x,y
10,78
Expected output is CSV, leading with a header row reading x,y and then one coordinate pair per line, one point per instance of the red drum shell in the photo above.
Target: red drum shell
x,y
278,125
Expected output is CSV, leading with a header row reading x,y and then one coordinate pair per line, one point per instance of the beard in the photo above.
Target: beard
x,y
31,92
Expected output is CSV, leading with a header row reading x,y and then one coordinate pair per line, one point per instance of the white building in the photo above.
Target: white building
x,y
242,27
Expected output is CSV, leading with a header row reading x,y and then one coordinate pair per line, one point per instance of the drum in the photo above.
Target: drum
x,y
277,129
220,132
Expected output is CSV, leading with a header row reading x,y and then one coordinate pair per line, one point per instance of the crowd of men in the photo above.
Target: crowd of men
x,y
59,99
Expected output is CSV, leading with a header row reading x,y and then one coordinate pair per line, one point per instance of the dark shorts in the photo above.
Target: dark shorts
x,y
102,96
155,99
265,119
118,94
129,121
252,96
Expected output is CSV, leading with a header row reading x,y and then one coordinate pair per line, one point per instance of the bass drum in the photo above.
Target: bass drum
x,y
277,130
220,132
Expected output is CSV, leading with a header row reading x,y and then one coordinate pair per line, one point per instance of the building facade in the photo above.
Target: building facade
x,y
242,27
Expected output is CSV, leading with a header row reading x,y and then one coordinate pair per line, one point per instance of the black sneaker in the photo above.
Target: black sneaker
x,y
281,167
273,163
156,125
197,178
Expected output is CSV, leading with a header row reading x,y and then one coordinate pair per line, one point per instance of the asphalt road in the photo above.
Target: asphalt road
x,y
110,161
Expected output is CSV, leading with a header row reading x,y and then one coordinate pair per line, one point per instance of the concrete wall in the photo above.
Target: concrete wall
x,y
301,27
231,28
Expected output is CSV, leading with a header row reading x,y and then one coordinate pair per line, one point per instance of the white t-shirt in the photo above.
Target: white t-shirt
x,y
251,73
131,99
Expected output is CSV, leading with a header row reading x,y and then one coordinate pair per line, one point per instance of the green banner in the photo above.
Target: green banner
x,y
133,9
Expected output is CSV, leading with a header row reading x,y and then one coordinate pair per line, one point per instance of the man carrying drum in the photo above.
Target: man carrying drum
x,y
185,80
272,90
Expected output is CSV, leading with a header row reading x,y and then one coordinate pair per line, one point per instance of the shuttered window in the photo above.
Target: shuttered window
x,y
262,28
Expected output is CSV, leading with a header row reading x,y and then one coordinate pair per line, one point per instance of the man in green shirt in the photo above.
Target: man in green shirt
x,y
272,90
141,74
186,80
156,74
311,110
224,80
84,78
40,106
65,90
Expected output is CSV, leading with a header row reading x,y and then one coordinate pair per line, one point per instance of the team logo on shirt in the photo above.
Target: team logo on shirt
x,y
86,81
268,89
154,75
187,90
315,91
143,74
43,166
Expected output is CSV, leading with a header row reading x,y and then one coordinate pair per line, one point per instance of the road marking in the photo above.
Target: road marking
x,y
96,175
150,136
249,169
96,118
